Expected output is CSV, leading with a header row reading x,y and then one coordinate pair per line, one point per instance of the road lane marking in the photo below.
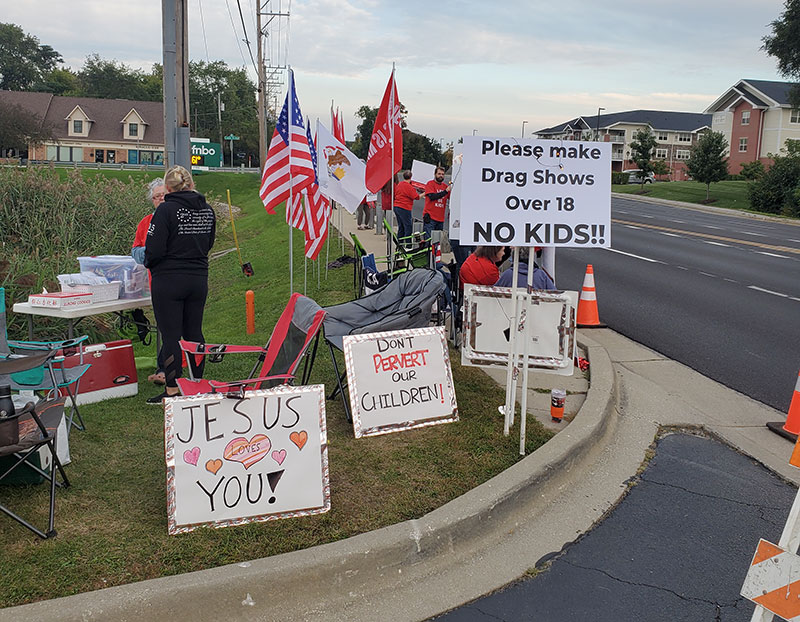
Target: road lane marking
x,y
717,243
614,250
769,291
682,222
772,247
672,235
761,235
711,226
713,276
632,227
772,255
646,216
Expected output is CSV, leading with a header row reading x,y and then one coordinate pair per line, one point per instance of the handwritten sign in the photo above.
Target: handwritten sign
x,y
399,380
535,192
487,324
260,457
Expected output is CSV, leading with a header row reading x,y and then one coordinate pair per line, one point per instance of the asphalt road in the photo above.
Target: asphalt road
x,y
676,548
719,293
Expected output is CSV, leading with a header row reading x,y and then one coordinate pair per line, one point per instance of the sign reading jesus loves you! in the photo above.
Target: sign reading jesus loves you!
x,y
399,380
235,460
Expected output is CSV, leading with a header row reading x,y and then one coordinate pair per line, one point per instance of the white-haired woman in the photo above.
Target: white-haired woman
x,y
180,235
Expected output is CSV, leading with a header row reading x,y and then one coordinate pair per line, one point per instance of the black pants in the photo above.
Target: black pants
x,y
178,303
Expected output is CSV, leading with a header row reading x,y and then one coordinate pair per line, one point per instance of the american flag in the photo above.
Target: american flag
x,y
289,167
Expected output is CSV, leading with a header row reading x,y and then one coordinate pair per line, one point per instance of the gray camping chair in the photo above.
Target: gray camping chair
x,y
405,302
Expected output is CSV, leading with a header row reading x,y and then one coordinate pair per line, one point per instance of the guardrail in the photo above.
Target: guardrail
x,y
124,166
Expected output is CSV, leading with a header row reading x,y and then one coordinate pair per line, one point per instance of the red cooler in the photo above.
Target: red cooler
x,y
112,372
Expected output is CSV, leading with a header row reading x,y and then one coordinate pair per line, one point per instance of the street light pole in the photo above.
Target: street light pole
x,y
523,129
597,125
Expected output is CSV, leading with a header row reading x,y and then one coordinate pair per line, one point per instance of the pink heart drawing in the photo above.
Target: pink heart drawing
x,y
247,452
279,456
190,456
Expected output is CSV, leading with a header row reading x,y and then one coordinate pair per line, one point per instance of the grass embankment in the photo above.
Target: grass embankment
x,y
112,521
730,194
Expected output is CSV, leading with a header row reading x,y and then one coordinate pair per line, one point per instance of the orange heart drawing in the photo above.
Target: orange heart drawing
x,y
299,438
212,466
247,452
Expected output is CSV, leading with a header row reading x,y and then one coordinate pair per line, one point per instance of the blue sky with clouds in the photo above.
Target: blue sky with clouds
x,y
461,66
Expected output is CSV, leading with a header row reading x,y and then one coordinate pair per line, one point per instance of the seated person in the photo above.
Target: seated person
x,y
541,280
480,268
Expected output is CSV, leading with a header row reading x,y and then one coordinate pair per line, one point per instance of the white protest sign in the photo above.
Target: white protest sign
x,y
238,460
399,380
455,194
487,327
422,172
536,192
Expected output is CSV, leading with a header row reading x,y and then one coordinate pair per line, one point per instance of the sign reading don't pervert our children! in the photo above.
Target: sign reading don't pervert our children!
x,y
535,192
236,460
399,380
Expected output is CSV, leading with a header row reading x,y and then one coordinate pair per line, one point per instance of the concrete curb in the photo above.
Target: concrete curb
x,y
332,572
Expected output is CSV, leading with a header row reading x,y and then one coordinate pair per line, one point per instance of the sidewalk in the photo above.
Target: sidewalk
x,y
484,539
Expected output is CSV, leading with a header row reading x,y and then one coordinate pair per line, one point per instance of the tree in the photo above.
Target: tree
x,y
60,81
660,167
109,79
708,163
784,44
19,128
23,61
642,146
420,147
778,189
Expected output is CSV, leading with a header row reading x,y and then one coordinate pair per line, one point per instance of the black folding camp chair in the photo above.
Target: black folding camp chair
x,y
37,429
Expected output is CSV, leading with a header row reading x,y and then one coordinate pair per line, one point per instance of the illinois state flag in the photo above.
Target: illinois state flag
x,y
341,173
387,137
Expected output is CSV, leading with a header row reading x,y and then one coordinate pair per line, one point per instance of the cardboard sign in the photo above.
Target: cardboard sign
x,y
487,326
399,380
535,192
422,172
239,460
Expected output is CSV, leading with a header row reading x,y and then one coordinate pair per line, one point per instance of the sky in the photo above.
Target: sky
x,y
494,68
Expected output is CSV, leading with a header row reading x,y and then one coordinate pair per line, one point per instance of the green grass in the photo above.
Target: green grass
x,y
730,194
112,521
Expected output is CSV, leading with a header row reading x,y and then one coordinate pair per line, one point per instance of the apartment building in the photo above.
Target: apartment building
x,y
676,133
757,119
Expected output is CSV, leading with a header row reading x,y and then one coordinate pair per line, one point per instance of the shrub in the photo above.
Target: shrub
x,y
619,178
776,192
752,170
48,221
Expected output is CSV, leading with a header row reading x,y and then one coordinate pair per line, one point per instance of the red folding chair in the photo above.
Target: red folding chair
x,y
297,327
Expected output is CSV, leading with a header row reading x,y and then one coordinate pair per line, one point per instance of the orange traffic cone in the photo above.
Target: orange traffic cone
x,y
588,316
790,429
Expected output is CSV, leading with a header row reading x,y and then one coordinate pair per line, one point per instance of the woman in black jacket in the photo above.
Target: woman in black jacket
x,y
180,236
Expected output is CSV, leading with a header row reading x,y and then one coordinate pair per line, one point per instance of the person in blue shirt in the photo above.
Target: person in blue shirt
x,y
541,280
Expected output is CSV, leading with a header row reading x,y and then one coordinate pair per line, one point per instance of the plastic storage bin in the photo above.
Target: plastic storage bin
x,y
118,268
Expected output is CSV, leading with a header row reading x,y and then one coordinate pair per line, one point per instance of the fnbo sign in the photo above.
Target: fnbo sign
x,y
205,154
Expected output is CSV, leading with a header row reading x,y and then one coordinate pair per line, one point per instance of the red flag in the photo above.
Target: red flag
x,y
380,167
289,165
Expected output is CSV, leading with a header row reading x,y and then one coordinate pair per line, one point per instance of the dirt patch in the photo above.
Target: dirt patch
x,y
221,209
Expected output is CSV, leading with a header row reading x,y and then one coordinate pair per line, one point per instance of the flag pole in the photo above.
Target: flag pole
x,y
289,204
391,165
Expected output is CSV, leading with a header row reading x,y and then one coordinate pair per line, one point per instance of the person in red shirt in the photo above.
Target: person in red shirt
x,y
155,192
436,194
480,268
404,196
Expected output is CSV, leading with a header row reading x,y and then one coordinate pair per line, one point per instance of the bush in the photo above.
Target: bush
x,y
48,221
619,178
735,178
776,192
752,170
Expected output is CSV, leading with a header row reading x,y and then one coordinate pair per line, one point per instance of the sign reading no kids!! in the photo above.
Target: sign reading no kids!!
x,y
536,192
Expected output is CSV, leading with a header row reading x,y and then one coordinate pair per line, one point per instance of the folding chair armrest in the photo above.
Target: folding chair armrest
x,y
47,345
211,349
240,384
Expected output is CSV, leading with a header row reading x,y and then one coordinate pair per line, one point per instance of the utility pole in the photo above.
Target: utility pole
x,y
219,119
272,20
175,33
262,98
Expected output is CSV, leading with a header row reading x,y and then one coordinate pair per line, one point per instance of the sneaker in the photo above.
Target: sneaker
x,y
157,400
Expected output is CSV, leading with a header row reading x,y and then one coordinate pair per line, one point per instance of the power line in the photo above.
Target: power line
x,y
246,40
230,15
203,24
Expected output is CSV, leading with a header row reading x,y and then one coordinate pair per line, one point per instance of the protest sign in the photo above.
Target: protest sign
x,y
535,192
399,380
422,172
487,327
236,460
